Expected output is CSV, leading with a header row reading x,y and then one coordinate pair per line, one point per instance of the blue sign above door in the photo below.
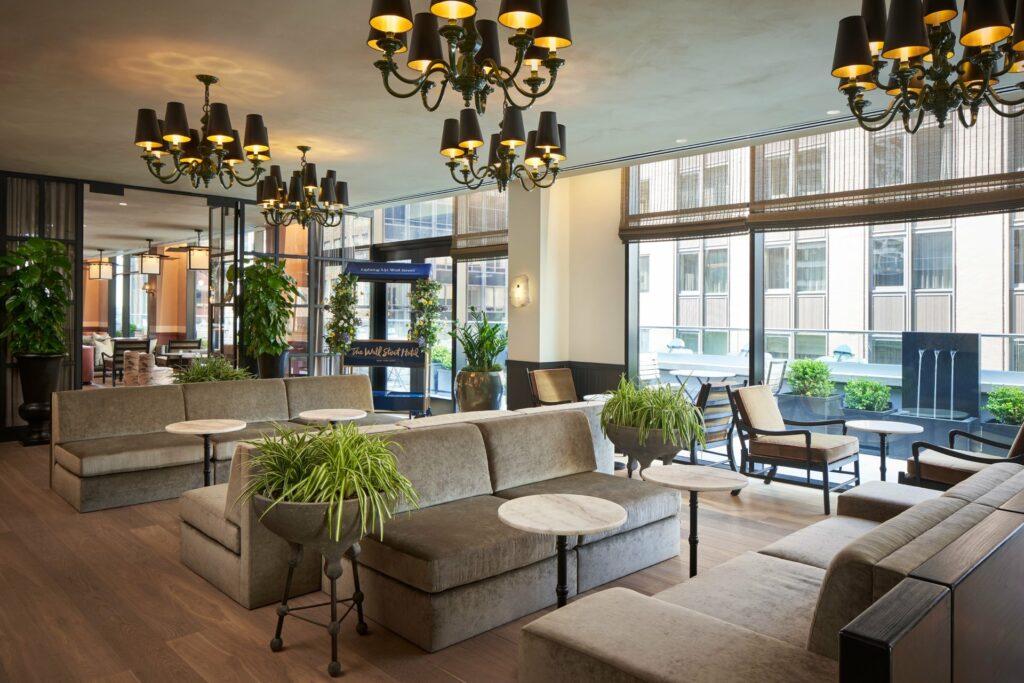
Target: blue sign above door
x,y
370,271
385,353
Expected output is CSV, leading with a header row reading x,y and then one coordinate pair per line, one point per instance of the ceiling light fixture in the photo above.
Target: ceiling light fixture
x,y
201,155
198,255
150,262
925,75
544,149
471,65
101,269
306,200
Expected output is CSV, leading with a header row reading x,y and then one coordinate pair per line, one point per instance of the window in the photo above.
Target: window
x,y
885,350
887,159
931,154
716,185
811,345
810,267
810,170
689,188
777,345
933,260
645,272
643,201
887,261
644,341
689,271
691,340
716,343
778,176
1017,253
716,270
138,306
776,268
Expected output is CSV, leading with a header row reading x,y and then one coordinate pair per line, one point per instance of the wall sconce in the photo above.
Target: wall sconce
x,y
519,291
149,287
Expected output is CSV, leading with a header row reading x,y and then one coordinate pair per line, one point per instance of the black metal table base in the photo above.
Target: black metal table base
x,y
693,534
561,589
207,460
333,570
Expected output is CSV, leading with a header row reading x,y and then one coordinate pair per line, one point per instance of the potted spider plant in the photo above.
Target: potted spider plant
x,y
36,292
478,385
268,296
649,423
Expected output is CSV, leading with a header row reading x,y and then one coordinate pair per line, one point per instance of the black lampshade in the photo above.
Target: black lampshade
x,y
970,73
235,154
520,14
547,131
535,55
176,130
873,12
328,193
425,44
1018,27
256,138
492,155
264,192
450,139
275,173
905,35
273,188
554,33
341,193
939,11
147,130
295,194
513,133
391,16
218,127
309,177
533,157
470,136
985,23
852,56
490,44
453,9
562,152
190,150
373,40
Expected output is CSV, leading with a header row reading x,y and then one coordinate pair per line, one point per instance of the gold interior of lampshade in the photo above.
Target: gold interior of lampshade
x,y
453,152
552,42
520,20
940,17
391,23
853,70
905,54
989,35
453,9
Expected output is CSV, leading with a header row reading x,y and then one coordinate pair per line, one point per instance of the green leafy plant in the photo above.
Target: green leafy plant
x,y
442,355
36,292
808,377
1006,405
867,394
268,294
341,330
212,369
482,341
330,465
426,309
646,408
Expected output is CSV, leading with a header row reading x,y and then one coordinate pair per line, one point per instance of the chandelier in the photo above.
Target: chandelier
x,y
305,200
926,76
543,149
213,151
471,65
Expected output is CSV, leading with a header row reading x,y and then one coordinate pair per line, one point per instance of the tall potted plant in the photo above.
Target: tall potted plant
x,y
478,385
344,322
268,296
36,292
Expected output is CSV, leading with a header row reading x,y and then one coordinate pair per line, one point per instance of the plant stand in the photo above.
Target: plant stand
x,y
333,571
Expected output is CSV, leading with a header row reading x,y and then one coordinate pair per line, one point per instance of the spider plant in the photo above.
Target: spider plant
x,y
330,465
661,407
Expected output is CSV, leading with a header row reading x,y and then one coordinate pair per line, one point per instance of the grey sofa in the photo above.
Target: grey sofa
x,y
778,614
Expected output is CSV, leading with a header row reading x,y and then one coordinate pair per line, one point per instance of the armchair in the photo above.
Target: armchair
x,y
114,362
552,386
184,344
765,439
939,467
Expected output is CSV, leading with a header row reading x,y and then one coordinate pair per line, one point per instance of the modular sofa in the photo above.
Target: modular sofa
x,y
898,581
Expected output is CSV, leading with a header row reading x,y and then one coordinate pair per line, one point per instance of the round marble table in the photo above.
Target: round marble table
x,y
562,515
884,429
333,415
695,479
206,429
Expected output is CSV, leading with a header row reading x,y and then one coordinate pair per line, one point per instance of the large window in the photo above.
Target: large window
x,y
778,176
716,185
689,272
716,270
810,267
1017,253
776,268
138,306
933,260
645,273
432,218
810,170
887,261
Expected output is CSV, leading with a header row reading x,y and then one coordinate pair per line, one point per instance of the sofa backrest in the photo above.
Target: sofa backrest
x,y
604,449
530,448
758,407
332,391
95,414
443,463
257,400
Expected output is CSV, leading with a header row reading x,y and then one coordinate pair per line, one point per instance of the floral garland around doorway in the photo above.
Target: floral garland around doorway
x,y
341,330
426,309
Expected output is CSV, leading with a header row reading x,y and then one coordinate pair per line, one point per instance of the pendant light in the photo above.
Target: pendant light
x,y
198,255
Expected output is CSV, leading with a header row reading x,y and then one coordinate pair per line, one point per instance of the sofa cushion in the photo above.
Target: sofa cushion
x,y
881,500
992,486
454,418
204,510
451,545
443,463
824,447
604,449
257,400
818,543
113,454
946,469
331,391
644,502
767,595
80,415
530,448
224,445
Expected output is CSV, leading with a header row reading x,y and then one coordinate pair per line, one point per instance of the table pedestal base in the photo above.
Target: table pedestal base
x,y
693,534
561,589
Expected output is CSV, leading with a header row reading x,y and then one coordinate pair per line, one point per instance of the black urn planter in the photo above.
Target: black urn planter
x,y
477,391
40,375
273,366
656,447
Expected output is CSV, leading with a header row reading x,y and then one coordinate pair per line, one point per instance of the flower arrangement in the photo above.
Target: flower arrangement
x,y
341,330
426,306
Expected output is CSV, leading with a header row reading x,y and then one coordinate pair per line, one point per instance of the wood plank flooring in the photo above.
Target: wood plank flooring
x,y
103,597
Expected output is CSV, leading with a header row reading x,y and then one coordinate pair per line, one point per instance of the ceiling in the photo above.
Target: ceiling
x,y
640,76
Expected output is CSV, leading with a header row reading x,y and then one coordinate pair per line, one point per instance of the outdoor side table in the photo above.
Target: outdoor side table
x,y
333,415
884,429
206,429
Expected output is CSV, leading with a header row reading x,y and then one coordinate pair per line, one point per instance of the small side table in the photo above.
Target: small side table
x,y
884,429
695,479
562,515
206,429
333,415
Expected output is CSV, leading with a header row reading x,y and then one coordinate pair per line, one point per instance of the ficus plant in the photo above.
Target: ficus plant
x,y
482,341
268,296
36,292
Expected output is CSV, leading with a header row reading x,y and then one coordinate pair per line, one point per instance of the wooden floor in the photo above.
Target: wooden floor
x,y
103,597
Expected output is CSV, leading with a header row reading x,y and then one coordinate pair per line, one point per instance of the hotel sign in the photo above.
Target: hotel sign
x,y
386,353
370,271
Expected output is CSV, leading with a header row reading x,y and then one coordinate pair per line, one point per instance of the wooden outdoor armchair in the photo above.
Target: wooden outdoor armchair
x,y
939,467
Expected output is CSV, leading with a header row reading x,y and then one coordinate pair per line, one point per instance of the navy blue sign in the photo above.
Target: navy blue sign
x,y
392,354
369,271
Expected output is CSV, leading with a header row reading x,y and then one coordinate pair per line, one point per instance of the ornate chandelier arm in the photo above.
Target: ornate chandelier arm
x,y
249,180
467,173
963,119
536,181
885,117
993,98
440,94
532,96
906,121
154,165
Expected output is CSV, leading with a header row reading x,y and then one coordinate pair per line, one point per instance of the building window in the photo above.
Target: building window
x,y
645,272
689,188
933,260
887,261
644,340
1017,254
810,170
643,199
887,160
691,340
716,185
931,154
885,350
811,345
777,345
716,271
778,176
689,272
776,269
1017,355
716,343
810,267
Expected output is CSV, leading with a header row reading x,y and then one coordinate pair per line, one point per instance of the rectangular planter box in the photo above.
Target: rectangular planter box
x,y
812,408
998,431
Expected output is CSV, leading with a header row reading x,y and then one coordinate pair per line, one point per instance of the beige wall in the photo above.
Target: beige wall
x,y
171,297
94,305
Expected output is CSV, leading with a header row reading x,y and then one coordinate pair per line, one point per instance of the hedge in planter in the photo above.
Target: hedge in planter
x,y
812,394
1006,405
867,395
